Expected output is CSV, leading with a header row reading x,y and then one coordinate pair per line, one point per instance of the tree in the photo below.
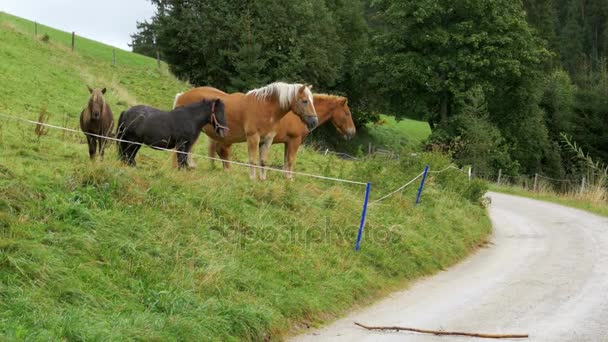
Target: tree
x,y
431,52
144,41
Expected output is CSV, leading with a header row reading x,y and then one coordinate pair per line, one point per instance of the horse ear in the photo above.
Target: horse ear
x,y
103,91
218,103
90,90
345,102
309,87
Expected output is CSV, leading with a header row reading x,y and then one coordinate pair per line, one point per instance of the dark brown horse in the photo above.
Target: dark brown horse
x,y
254,117
96,118
292,130
177,129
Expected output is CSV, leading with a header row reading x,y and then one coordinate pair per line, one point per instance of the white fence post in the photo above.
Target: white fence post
x,y
535,181
499,176
470,172
583,185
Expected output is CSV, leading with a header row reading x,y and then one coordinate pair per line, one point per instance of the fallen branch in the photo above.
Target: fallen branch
x,y
451,333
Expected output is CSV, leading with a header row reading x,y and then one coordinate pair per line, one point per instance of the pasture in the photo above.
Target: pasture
x,y
103,251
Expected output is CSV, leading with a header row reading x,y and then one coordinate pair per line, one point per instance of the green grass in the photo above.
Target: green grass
x,y
401,136
390,133
100,251
566,199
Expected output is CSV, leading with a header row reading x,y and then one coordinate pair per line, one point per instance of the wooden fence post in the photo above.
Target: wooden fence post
x,y
470,172
158,58
73,40
535,181
369,148
583,185
113,57
499,176
35,29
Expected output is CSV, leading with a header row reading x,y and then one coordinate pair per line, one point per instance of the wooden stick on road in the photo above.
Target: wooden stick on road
x,y
451,333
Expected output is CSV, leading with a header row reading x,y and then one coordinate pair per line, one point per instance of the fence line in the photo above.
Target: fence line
x,y
530,177
413,180
327,151
449,168
398,190
192,154
555,179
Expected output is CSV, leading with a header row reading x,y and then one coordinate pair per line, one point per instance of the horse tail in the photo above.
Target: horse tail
x,y
119,126
176,98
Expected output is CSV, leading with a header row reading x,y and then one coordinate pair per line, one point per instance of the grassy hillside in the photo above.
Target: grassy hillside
x,y
100,251
392,134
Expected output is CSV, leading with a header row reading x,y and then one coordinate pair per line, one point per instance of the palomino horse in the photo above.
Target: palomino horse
x,y
177,129
254,117
96,118
292,131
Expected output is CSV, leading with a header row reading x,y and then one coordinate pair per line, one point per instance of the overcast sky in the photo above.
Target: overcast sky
x,y
109,21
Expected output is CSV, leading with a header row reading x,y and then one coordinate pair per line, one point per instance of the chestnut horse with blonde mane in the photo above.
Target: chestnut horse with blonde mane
x,y
254,117
292,131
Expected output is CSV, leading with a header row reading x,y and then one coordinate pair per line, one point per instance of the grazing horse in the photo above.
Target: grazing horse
x,y
292,131
254,117
177,129
96,118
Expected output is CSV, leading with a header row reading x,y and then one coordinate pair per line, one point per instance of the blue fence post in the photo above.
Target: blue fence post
x,y
360,235
426,172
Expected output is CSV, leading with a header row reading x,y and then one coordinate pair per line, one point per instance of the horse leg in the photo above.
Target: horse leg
x,y
291,151
183,160
128,152
264,150
132,152
253,144
104,141
92,146
211,152
191,162
285,157
102,147
224,152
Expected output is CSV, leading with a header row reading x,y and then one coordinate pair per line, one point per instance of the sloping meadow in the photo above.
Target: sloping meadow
x,y
97,250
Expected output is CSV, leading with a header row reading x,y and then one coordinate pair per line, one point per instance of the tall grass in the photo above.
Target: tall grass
x,y
595,173
586,188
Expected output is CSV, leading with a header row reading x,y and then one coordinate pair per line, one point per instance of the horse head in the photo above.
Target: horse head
x,y
218,118
342,119
96,102
304,107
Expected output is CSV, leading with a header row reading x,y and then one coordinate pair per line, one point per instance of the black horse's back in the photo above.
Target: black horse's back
x,y
178,129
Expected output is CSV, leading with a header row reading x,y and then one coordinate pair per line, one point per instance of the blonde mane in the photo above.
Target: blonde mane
x,y
176,98
329,97
284,92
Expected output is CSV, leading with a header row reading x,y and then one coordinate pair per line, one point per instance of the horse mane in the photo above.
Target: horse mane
x,y
284,92
328,97
177,98
95,96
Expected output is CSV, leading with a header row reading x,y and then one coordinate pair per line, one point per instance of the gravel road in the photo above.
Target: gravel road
x,y
545,274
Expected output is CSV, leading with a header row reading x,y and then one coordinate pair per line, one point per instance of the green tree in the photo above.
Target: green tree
x,y
430,52
237,45
144,41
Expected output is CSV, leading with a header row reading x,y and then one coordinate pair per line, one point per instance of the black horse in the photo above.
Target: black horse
x,y
178,129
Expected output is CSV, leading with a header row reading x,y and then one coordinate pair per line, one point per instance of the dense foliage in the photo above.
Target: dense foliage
x,y
498,81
